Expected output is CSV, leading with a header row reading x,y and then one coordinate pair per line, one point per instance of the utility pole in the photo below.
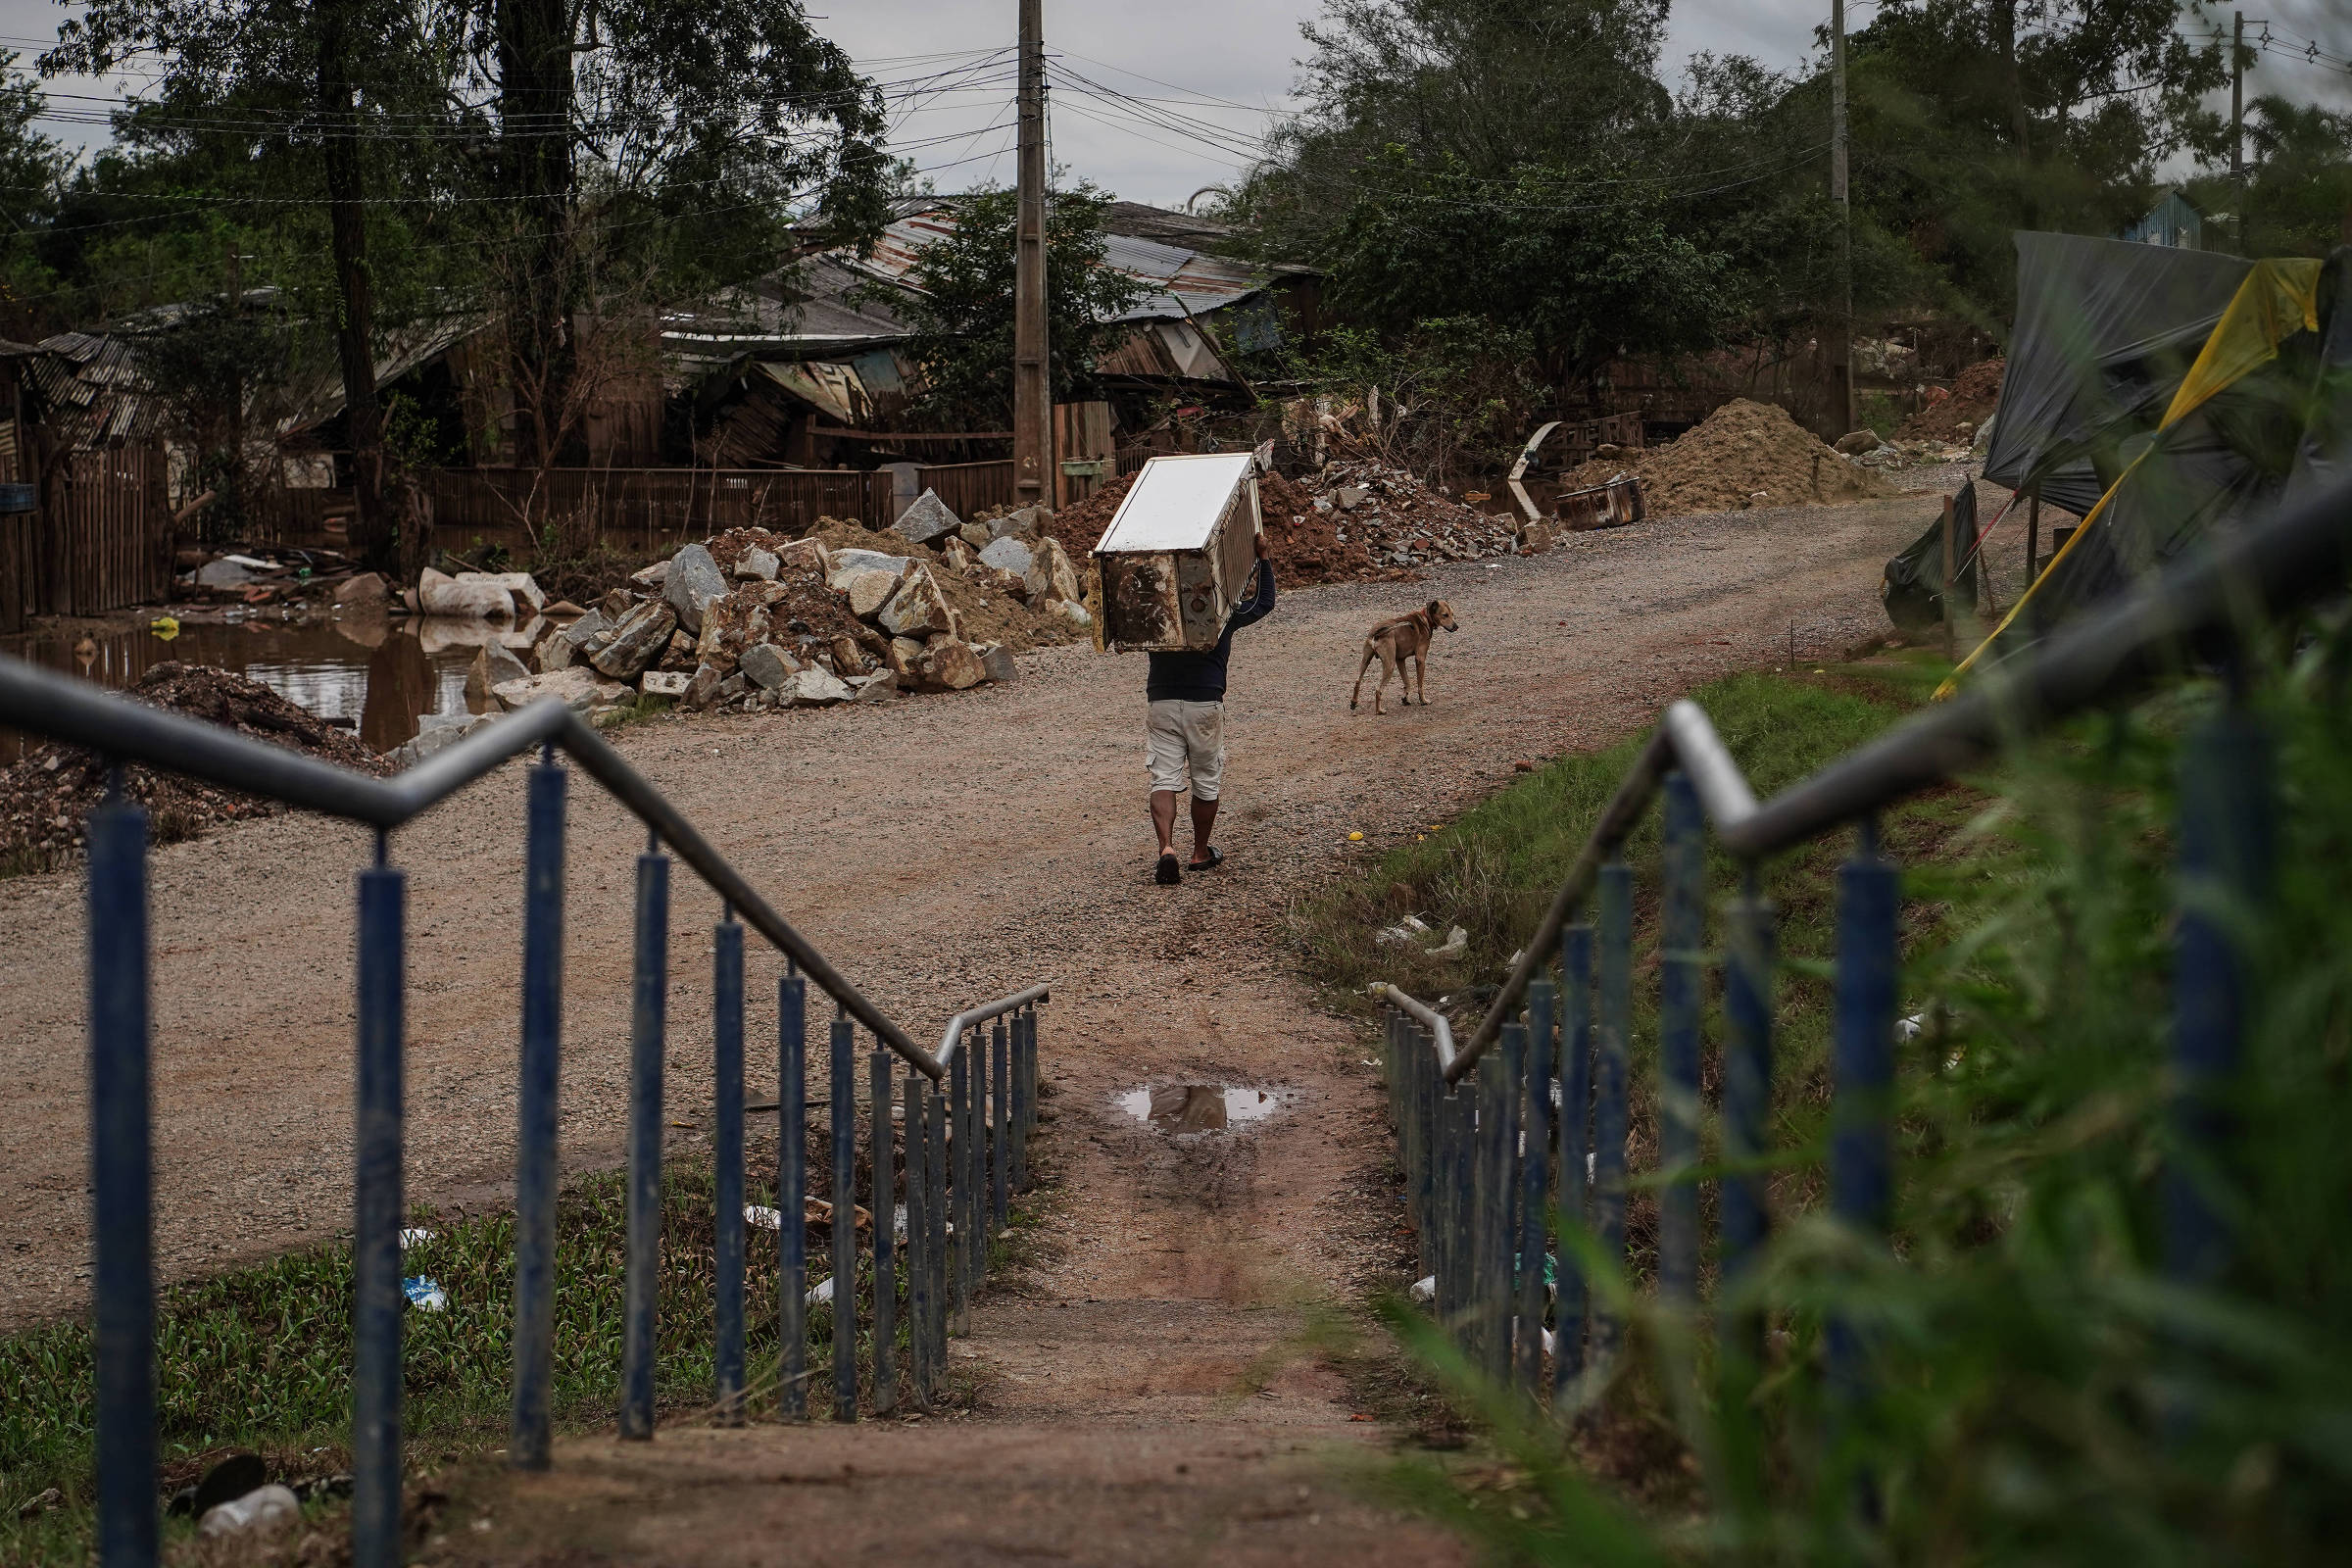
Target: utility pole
x,y
2237,130
1841,336
1032,382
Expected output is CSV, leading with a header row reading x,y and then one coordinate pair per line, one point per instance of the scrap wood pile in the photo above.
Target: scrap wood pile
x,y
46,794
1743,455
756,620
1351,520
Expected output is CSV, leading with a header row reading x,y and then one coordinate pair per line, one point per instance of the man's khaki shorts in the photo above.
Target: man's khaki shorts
x,y
1185,738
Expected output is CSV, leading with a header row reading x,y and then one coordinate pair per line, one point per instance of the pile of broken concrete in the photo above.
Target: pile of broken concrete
x,y
752,619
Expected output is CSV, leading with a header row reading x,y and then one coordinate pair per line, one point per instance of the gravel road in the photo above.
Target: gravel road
x,y
942,850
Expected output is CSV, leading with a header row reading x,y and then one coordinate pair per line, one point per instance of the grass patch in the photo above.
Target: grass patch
x,y
260,1358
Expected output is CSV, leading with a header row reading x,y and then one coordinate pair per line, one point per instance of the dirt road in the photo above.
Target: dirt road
x,y
942,851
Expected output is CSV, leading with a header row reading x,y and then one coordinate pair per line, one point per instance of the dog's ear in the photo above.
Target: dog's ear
x,y
1437,608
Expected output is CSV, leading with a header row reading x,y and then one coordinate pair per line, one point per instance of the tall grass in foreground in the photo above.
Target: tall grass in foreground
x,y
2037,1390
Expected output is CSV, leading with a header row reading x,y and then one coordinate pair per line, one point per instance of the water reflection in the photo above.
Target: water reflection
x,y
373,672
1198,1107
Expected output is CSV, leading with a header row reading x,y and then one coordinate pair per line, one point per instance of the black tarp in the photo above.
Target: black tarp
x,y
1911,591
2106,328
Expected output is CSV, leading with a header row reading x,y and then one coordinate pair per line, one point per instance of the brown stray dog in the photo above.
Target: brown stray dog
x,y
1393,642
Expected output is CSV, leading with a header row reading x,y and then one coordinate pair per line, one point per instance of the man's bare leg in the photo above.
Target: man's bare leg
x,y
1204,817
1163,819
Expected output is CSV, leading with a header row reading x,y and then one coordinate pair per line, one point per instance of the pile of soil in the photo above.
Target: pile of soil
x,y
45,795
987,615
1743,455
1975,394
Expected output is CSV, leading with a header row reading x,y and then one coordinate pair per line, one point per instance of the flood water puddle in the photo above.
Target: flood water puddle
x,y
374,675
1200,1108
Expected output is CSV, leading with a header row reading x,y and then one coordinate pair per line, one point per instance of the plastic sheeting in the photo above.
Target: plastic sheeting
x,y
2106,331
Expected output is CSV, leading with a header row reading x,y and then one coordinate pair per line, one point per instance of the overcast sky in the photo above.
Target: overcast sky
x,y
1209,75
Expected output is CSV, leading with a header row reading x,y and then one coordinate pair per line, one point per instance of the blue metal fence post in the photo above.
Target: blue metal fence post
x,y
791,1197
375,1438
2224,865
121,1180
726,1152
1612,1052
1535,1192
538,1084
842,1251
648,1010
884,1161
1502,1354
1000,1187
935,1210
1747,1079
960,1185
1681,933
918,1242
1575,1148
1024,1092
1862,1064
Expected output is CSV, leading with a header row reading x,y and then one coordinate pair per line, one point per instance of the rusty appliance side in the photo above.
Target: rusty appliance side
x,y
1175,599
1602,506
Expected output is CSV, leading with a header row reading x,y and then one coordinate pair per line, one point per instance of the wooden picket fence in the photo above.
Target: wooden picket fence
x,y
100,540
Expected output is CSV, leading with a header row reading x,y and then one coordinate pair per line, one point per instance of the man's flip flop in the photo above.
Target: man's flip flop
x,y
1216,858
1167,876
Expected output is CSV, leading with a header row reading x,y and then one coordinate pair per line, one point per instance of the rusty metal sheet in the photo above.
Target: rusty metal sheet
x,y
1602,506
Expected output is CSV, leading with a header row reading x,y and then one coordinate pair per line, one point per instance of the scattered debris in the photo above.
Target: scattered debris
x,y
266,1507
46,794
424,1295
1957,415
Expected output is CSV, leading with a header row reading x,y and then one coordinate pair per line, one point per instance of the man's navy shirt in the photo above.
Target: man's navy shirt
x,y
1199,677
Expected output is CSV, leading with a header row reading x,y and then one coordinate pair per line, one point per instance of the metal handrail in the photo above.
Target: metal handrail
x,y
952,1038
41,701
1440,1031
2291,560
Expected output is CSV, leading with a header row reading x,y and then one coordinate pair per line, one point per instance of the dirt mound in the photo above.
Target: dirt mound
x,y
988,617
1975,394
44,796
1742,454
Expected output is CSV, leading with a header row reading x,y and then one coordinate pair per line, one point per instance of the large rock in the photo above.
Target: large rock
x,y
1071,611
1062,574
902,653
641,637
996,661
735,622
649,579
520,587
578,687
808,555
813,688
439,594
493,667
757,563
1010,554
1856,442
1021,522
847,561
926,519
918,607
702,688
868,590
950,664
367,588
669,683
879,687
768,666
558,650
693,581
956,554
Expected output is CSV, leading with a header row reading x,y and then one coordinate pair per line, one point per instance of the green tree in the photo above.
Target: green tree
x,y
958,305
2298,196
33,172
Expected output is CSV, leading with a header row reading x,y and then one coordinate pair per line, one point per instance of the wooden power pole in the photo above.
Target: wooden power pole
x,y
1841,336
2237,130
1032,380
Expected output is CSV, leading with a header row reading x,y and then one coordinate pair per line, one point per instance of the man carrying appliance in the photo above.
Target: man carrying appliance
x,y
1184,736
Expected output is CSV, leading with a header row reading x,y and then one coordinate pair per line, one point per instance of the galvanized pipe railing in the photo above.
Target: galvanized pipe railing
x,y
958,1184
1457,1112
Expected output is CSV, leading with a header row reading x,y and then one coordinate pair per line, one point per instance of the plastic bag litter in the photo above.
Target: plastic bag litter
x,y
1458,942
1425,1289
1909,1028
414,1236
820,1293
262,1507
761,1217
1402,931
424,1295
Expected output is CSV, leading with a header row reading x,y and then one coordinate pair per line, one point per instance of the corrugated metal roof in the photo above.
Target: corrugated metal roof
x,y
91,391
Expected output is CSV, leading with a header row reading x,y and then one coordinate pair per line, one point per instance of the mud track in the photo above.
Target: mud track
x,y
942,851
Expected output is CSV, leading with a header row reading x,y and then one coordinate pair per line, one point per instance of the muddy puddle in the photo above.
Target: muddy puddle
x,y
373,673
1200,1108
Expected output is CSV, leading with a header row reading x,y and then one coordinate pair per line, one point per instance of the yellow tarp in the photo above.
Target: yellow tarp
x,y
2279,299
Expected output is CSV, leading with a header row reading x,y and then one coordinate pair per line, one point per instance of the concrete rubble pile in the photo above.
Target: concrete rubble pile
x,y
752,619
1401,521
